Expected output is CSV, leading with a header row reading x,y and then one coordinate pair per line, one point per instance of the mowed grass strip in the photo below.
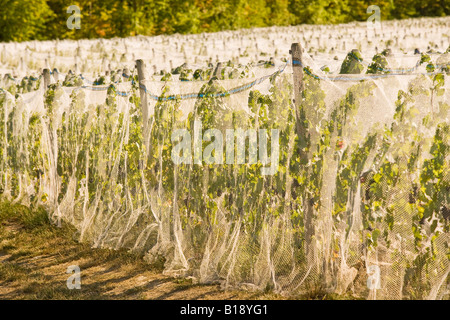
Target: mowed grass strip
x,y
35,255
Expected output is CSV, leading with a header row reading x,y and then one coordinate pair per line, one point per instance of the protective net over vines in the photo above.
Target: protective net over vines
x,y
231,178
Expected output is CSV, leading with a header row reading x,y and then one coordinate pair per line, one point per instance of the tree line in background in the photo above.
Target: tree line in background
x,y
22,20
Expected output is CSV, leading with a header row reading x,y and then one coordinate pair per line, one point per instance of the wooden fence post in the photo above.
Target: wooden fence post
x,y
46,74
144,103
218,71
126,74
297,67
6,79
104,65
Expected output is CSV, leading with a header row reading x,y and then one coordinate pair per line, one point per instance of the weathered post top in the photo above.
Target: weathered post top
x,y
46,74
218,70
297,67
140,68
126,73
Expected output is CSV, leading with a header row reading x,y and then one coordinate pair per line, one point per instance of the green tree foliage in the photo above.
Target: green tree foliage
x,y
23,20
46,19
321,11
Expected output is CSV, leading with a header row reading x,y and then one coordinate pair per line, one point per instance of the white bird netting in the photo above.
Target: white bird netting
x,y
358,203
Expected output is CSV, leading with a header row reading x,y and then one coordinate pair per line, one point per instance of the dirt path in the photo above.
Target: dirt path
x,y
34,261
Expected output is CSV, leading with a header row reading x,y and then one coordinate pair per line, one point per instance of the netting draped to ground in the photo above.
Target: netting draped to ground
x,y
359,201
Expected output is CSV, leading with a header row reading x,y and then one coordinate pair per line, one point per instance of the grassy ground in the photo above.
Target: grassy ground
x,y
35,255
